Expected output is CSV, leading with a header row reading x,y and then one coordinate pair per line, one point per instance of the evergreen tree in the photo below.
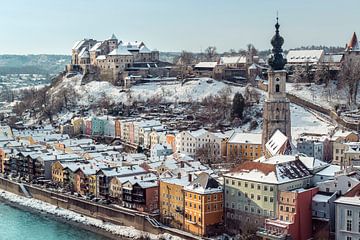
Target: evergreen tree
x,y
238,105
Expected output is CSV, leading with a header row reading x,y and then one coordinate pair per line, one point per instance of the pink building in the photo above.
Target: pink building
x,y
294,216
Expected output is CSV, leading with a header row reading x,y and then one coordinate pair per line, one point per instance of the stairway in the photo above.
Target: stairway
x,y
153,221
25,191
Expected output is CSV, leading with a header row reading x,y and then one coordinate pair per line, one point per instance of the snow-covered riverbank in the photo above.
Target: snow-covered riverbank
x,y
70,216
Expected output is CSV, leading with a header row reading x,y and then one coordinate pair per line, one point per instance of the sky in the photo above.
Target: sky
x,y
52,26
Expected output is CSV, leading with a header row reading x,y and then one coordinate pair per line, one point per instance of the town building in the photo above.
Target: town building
x,y
347,213
244,147
203,206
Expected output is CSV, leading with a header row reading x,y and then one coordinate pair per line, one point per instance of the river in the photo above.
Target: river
x,y
16,224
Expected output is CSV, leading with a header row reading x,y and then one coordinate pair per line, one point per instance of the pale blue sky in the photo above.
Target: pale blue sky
x,y
52,26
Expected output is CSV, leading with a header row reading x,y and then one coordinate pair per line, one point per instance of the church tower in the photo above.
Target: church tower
x,y
276,107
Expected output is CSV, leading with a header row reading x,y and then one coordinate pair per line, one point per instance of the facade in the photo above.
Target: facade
x,y
252,190
172,201
203,206
276,106
293,220
347,218
311,147
244,147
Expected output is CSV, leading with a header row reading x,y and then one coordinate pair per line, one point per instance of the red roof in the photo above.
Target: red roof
x,y
266,168
353,42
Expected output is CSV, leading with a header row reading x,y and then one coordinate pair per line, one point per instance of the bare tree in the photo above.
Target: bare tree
x,y
210,53
349,76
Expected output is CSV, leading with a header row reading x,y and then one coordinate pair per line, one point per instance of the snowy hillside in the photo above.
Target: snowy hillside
x,y
171,92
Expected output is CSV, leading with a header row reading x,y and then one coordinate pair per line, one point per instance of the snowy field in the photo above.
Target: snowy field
x,y
124,231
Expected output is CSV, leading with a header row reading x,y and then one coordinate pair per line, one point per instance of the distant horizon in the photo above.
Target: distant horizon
x,y
45,27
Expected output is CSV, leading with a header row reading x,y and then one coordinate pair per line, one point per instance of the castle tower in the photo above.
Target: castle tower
x,y
276,107
113,42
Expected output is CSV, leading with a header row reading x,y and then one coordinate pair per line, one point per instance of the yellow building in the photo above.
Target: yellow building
x,y
171,198
244,147
58,173
203,206
78,125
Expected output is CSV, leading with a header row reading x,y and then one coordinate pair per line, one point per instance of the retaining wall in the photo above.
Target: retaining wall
x,y
109,214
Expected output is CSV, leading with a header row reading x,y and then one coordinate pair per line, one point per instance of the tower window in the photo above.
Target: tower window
x,y
277,88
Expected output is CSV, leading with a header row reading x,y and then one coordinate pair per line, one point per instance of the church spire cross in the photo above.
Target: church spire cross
x,y
277,60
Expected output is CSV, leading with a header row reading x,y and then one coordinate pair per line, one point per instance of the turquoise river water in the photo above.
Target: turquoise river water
x,y
16,224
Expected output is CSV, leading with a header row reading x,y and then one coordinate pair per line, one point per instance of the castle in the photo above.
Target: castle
x,y
111,59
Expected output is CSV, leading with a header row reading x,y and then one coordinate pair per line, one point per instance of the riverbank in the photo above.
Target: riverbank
x,y
106,229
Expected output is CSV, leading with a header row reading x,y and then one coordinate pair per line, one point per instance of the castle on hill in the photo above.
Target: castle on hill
x,y
112,59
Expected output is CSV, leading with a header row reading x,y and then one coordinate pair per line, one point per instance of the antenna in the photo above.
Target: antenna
x,y
277,16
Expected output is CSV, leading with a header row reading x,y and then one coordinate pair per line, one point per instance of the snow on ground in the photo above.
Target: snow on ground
x,y
303,121
124,231
318,94
194,90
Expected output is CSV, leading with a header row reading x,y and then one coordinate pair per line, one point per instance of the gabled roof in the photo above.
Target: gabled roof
x,y
233,60
204,184
276,144
302,56
96,46
144,49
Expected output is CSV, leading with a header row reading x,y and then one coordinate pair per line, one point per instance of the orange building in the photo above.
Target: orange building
x,y
117,128
170,139
203,206
244,146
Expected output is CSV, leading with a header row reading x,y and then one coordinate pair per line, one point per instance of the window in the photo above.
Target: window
x,y
271,189
265,198
265,188
348,225
258,197
258,187
252,186
246,184
348,238
349,213
277,88
281,208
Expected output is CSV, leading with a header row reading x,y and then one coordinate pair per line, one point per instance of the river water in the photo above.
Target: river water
x,y
16,224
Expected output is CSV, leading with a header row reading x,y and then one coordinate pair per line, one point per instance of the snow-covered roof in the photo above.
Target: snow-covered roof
x,y
198,133
348,200
144,49
276,143
96,46
84,53
248,138
321,198
329,171
303,56
233,60
204,184
333,58
101,57
120,51
206,65
276,170
78,44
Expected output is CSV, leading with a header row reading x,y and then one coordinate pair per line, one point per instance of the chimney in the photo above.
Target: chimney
x,y
297,157
179,175
182,164
190,177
